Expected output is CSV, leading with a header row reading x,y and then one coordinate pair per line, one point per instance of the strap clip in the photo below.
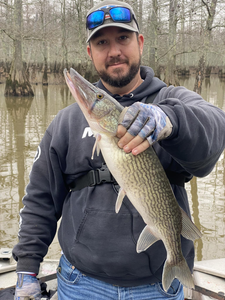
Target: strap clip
x,y
101,175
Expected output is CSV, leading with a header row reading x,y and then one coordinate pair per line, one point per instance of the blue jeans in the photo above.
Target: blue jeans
x,y
73,285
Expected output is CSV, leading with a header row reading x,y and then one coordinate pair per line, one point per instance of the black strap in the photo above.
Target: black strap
x,y
92,178
103,175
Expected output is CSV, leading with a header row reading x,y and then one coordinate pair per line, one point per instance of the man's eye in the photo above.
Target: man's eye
x,y
102,42
124,37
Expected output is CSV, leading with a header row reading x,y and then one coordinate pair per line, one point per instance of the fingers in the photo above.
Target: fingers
x,y
121,131
129,143
141,147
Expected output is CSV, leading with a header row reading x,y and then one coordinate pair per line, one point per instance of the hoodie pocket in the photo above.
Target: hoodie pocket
x,y
106,244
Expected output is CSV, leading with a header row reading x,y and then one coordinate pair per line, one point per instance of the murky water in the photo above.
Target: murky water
x,y
23,123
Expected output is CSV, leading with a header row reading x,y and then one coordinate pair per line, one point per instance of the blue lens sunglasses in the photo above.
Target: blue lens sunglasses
x,y
117,14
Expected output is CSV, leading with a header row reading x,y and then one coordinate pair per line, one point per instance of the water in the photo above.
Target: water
x,y
23,123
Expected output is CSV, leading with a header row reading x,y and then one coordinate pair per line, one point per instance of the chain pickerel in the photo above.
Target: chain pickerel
x,y
142,178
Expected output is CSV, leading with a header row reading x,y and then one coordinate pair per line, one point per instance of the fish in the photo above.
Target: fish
x,y
141,178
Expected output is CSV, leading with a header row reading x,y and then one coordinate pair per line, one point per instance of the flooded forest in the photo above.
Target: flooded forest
x,y
46,36
184,44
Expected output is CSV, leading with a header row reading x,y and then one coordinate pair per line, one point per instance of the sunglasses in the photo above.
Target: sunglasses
x,y
117,14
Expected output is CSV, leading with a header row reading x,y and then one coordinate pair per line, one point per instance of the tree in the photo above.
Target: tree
x,y
153,59
44,38
211,10
207,37
18,84
171,77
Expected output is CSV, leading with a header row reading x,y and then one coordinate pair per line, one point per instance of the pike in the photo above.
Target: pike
x,y
142,178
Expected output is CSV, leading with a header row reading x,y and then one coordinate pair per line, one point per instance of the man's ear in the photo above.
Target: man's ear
x,y
89,51
141,42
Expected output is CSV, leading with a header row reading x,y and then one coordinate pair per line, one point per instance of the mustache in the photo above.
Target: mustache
x,y
115,60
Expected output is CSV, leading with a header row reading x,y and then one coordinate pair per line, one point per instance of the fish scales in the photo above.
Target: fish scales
x,y
141,178
142,188
137,175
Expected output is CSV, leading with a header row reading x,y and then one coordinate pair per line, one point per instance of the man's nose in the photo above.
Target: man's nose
x,y
114,49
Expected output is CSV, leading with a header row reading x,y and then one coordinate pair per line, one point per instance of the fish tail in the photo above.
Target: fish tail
x,y
180,271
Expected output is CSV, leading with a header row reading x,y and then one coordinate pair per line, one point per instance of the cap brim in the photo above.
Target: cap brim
x,y
121,25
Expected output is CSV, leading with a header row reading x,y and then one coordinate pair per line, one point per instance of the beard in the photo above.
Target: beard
x,y
119,80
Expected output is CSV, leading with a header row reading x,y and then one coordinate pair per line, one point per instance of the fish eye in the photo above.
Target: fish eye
x,y
99,96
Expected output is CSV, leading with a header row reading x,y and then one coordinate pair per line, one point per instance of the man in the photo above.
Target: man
x,y
99,258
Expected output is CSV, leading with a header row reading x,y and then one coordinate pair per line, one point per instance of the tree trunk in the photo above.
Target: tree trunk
x,y
64,46
45,73
18,84
200,74
43,23
206,68
203,69
208,35
153,59
140,14
170,76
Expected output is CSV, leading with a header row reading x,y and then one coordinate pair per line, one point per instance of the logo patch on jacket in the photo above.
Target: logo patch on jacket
x,y
87,132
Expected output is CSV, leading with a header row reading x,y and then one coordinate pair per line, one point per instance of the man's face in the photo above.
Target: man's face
x,y
116,54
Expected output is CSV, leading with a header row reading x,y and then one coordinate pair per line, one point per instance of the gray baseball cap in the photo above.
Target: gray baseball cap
x,y
133,26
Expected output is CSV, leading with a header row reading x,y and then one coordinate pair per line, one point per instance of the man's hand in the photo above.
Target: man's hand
x,y
141,125
27,287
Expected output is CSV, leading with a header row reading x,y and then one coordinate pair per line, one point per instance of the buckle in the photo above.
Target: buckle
x,y
103,175
92,177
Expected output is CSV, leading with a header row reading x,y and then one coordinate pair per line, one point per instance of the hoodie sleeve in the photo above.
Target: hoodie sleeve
x,y
43,202
198,137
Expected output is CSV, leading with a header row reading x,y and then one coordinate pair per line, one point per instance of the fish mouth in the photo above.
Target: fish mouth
x,y
97,106
82,90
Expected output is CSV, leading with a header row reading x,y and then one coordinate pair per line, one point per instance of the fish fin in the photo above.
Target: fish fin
x,y
146,239
96,145
119,200
189,230
180,271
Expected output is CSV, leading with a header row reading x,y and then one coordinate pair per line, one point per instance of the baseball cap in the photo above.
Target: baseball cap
x,y
107,17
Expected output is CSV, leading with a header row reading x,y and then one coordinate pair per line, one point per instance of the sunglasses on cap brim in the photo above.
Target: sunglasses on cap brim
x,y
117,14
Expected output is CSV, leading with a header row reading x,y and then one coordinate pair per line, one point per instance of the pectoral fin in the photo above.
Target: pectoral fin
x,y
96,145
119,200
146,239
189,230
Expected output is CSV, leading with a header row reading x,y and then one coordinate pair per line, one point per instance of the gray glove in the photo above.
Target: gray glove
x,y
27,287
146,120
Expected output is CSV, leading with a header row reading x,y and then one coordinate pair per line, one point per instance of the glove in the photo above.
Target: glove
x,y
27,287
146,120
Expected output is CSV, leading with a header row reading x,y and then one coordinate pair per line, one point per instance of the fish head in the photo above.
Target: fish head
x,y
99,108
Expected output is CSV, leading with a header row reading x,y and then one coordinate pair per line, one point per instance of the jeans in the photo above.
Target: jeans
x,y
73,285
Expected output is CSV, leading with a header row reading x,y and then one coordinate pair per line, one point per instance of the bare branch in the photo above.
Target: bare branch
x,y
190,51
3,30
207,7
218,26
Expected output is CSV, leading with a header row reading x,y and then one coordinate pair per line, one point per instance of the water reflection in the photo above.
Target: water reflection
x,y
196,217
23,123
207,195
18,109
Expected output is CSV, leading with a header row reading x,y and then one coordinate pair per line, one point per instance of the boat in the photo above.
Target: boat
x,y
8,277
209,279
